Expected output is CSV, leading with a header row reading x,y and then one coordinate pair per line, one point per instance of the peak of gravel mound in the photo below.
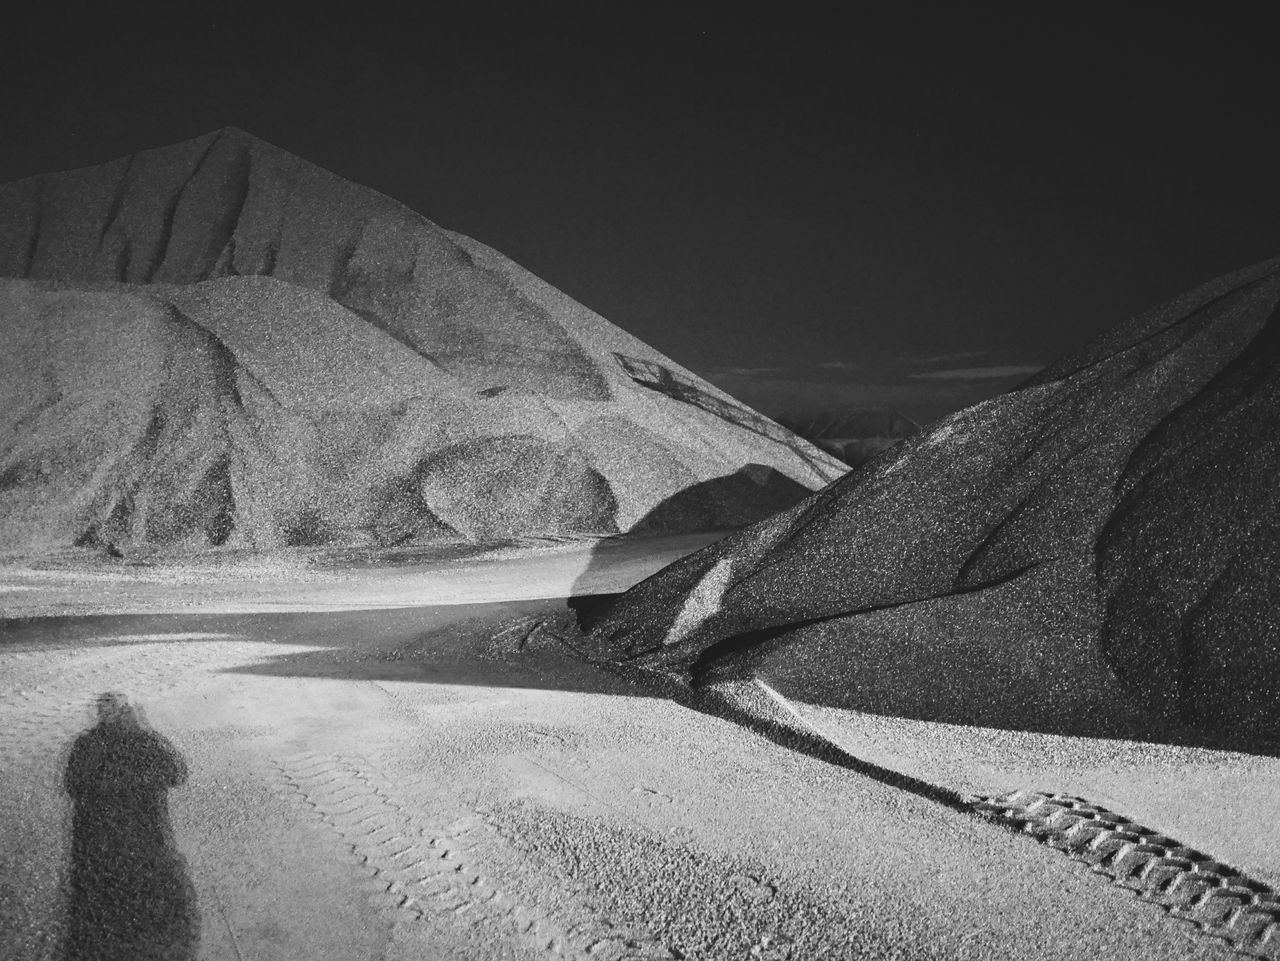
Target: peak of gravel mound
x,y
1097,551
219,343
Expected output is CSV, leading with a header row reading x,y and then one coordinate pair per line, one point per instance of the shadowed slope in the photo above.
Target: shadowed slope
x,y
219,343
1108,524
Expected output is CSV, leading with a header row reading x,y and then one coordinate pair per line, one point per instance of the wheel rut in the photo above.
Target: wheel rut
x,y
426,866
1191,886
1221,901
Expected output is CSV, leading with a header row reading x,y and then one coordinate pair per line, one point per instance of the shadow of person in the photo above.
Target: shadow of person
x,y
129,893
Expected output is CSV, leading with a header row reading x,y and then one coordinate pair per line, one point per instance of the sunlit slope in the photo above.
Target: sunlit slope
x,y
219,343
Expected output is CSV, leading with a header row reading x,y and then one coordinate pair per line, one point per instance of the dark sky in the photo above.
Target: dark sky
x,y
799,209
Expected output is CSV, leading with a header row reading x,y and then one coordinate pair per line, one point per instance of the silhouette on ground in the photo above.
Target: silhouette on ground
x,y
130,896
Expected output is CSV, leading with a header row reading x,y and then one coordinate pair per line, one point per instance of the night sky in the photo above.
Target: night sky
x,y
904,209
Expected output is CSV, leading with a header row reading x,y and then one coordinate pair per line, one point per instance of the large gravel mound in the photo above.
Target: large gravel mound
x,y
1099,546
218,343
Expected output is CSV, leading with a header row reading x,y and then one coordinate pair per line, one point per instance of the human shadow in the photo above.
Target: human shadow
x,y
130,898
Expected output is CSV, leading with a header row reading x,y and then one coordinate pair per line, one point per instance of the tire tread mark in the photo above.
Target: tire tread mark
x,y
422,871
1221,901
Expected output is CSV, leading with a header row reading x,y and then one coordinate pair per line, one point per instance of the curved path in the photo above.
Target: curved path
x,y
415,782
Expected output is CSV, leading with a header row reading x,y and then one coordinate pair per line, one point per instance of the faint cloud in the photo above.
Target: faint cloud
x,y
981,373
876,381
745,371
947,358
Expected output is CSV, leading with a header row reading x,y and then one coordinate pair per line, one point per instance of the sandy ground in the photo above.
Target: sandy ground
x,y
379,777
319,580
1221,802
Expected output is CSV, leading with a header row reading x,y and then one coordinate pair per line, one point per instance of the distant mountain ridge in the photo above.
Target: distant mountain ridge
x,y
218,342
853,434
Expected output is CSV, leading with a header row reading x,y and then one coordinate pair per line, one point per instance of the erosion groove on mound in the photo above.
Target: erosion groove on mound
x,y
1134,479
217,343
425,869
1174,492
1190,885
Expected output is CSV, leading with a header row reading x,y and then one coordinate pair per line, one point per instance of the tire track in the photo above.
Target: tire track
x,y
1221,901
424,868
1189,885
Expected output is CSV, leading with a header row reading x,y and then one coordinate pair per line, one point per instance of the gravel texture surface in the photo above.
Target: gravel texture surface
x,y
1090,553
216,343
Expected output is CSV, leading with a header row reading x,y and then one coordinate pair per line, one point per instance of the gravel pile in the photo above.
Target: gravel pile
x,y
1099,545
218,343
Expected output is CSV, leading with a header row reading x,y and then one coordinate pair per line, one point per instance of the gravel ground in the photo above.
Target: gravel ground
x,y
397,784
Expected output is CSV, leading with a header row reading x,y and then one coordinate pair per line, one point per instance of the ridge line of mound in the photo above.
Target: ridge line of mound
x,y
1138,478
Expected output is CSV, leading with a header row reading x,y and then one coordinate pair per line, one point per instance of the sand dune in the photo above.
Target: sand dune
x,y
218,343
1090,553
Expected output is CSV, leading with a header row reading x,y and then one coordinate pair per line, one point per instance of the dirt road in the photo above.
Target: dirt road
x,y
394,784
